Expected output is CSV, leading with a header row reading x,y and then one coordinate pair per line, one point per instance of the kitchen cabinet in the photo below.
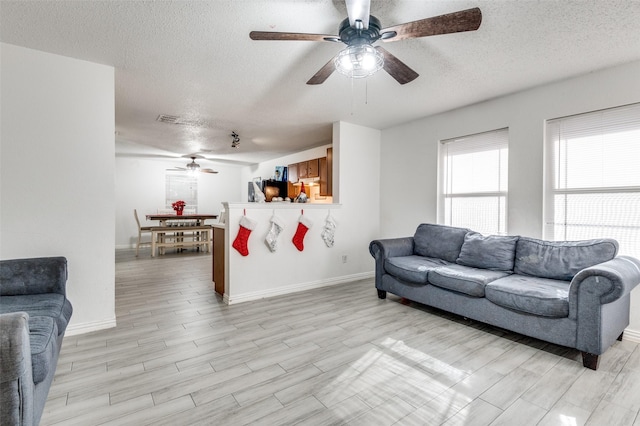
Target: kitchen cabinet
x,y
326,174
313,169
324,189
303,170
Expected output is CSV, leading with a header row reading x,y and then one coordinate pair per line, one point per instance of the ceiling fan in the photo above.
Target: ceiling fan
x,y
193,166
360,31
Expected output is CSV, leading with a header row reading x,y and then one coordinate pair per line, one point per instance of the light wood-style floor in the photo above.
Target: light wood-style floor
x,y
336,355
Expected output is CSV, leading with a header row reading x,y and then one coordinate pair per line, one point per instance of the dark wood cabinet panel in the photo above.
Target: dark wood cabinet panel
x,y
313,168
323,176
218,260
330,171
303,170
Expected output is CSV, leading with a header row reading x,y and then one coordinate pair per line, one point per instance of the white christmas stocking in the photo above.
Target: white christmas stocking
x,y
277,225
329,230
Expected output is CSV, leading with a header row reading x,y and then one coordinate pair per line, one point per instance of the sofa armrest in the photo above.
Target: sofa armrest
x,y
391,247
33,276
384,249
16,375
599,298
608,281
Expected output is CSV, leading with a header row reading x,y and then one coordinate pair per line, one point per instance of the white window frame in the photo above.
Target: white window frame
x,y
181,185
497,139
602,123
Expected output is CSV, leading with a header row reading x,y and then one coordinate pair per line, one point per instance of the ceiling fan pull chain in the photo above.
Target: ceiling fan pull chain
x,y
366,92
352,97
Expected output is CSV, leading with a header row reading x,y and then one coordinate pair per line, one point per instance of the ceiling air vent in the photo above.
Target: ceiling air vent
x,y
174,119
170,119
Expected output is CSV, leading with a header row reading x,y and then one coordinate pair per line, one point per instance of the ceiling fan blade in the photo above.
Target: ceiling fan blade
x,y
323,73
209,171
464,20
270,35
396,68
358,10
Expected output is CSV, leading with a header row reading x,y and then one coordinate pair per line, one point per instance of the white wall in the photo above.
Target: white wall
x,y
409,151
140,184
57,158
356,152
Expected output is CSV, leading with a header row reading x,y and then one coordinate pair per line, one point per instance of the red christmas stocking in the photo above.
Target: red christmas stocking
x,y
303,226
240,243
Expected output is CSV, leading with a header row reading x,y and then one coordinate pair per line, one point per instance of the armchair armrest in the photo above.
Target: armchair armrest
x,y
391,247
33,276
16,376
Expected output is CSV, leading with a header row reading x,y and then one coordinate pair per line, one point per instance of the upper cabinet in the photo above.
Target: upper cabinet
x,y
312,168
308,169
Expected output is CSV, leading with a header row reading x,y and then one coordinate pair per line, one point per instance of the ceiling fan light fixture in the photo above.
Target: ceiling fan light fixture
x,y
359,61
193,166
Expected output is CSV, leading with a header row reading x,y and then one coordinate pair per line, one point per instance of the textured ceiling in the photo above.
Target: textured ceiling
x,y
194,59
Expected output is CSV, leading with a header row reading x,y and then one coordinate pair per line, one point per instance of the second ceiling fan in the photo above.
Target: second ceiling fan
x,y
361,30
193,166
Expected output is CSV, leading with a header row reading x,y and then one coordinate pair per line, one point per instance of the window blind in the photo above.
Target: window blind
x,y
593,177
473,172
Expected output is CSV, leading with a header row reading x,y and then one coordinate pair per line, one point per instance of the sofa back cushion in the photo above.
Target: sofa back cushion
x,y
439,241
561,260
493,252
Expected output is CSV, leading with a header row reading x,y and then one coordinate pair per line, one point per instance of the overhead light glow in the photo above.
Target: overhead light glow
x,y
359,61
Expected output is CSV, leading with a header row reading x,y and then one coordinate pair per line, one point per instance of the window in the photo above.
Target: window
x,y
593,177
182,185
474,182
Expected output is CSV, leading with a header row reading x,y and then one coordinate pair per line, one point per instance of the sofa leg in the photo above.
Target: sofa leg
x,y
590,360
382,294
620,336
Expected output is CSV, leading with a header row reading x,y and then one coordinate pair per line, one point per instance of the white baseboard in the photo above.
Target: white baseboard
x,y
256,295
631,335
88,327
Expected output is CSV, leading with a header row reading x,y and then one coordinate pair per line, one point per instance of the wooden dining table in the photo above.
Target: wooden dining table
x,y
197,218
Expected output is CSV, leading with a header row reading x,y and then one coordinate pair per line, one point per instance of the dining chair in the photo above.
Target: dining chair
x,y
141,229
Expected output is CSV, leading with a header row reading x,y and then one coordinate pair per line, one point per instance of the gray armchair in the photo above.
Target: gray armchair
x,y
34,313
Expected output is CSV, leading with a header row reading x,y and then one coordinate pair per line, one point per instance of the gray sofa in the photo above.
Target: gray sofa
x,y
34,313
571,293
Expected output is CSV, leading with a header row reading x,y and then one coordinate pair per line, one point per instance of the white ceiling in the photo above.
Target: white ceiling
x,y
194,59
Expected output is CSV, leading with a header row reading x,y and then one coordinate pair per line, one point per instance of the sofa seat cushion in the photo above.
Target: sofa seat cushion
x,y
413,269
464,279
561,260
537,296
494,252
51,305
43,337
438,241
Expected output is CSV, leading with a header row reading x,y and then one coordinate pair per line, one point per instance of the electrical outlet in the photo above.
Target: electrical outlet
x,y
344,258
